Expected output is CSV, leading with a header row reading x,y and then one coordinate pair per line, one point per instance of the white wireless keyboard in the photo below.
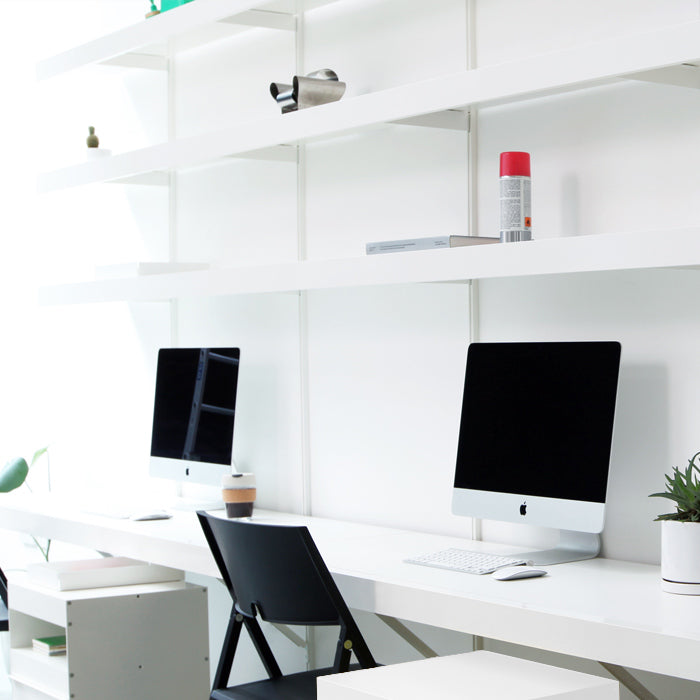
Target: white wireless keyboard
x,y
466,561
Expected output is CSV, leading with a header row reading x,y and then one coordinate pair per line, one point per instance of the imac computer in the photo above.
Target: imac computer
x,y
193,414
535,439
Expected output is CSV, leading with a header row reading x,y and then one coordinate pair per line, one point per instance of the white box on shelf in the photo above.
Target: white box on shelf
x,y
99,573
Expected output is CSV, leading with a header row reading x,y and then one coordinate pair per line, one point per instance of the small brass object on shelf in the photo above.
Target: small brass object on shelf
x,y
92,140
316,88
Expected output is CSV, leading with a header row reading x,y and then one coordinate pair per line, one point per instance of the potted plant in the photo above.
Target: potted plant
x,y
680,530
13,475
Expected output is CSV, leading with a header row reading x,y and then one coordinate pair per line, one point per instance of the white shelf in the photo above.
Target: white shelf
x,y
115,641
623,251
658,55
143,45
47,674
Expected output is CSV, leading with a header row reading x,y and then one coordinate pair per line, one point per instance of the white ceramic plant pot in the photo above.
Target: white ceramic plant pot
x,y
680,557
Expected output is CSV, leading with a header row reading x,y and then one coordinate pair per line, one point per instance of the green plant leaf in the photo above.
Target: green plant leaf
x,y
13,474
39,453
663,495
683,487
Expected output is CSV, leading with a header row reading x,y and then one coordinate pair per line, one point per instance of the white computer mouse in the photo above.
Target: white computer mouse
x,y
512,573
150,515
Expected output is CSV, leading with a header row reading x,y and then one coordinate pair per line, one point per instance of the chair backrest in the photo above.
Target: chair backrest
x,y
275,570
277,573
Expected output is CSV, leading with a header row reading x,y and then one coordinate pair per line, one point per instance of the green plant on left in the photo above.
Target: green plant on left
x,y
683,488
13,475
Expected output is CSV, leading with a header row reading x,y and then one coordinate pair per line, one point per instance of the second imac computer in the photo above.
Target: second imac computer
x,y
193,414
535,439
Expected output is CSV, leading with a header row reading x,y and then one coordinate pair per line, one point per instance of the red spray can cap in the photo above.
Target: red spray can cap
x,y
515,163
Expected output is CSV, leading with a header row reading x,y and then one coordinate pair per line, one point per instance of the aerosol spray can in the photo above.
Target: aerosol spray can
x,y
516,214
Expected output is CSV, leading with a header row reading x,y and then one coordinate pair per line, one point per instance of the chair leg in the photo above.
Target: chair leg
x,y
341,663
228,650
262,647
363,654
359,646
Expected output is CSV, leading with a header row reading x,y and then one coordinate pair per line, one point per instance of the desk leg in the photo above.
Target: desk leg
x,y
416,642
628,680
290,634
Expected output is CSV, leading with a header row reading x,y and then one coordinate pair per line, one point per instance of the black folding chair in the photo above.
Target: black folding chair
x,y
276,573
4,615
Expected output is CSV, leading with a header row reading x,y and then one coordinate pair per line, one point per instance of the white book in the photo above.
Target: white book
x,y
99,573
428,243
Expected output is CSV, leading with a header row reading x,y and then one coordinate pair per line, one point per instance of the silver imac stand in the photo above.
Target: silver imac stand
x,y
573,546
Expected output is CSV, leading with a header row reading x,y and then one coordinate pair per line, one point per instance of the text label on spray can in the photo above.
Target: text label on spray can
x,y
515,186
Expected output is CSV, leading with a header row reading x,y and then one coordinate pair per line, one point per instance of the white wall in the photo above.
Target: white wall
x,y
358,390
77,379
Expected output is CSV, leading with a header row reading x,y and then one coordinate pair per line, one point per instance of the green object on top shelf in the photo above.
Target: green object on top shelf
x,y
169,4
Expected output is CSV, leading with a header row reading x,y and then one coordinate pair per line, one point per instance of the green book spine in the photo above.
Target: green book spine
x,y
55,641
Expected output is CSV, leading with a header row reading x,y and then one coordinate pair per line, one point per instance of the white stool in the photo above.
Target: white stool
x,y
479,674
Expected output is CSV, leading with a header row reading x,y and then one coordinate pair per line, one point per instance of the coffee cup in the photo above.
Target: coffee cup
x,y
239,493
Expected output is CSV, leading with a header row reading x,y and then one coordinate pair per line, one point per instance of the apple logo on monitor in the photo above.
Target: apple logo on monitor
x,y
523,509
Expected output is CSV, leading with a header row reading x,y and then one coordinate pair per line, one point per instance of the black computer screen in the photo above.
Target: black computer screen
x,y
195,402
537,419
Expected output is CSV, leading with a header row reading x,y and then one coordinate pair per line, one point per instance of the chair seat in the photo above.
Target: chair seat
x,y
296,686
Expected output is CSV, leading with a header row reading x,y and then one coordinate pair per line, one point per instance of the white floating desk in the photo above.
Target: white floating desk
x,y
602,609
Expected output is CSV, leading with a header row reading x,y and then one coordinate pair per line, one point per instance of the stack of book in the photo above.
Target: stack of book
x,y
429,243
51,646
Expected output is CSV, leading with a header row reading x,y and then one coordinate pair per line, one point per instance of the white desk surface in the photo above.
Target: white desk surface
x,y
601,609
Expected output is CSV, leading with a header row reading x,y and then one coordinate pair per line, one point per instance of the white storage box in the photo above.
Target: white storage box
x,y
479,674
142,642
